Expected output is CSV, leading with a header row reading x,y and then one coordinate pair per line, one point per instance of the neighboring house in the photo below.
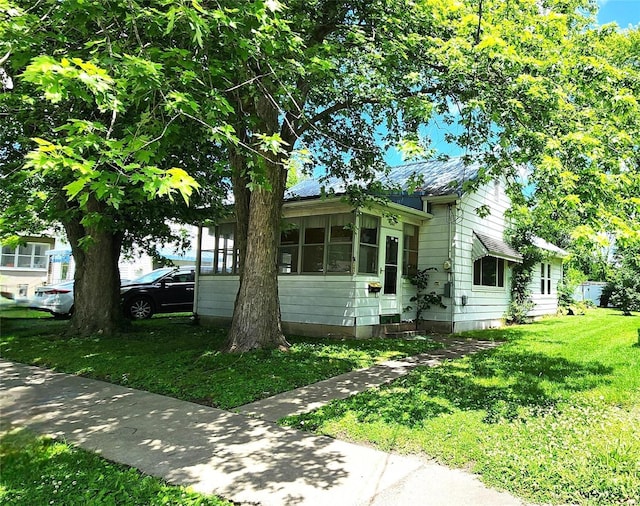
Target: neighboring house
x,y
346,272
25,267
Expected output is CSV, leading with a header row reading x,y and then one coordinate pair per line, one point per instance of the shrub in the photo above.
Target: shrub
x,y
626,290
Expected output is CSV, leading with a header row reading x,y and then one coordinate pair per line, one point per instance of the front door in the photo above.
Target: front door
x,y
390,273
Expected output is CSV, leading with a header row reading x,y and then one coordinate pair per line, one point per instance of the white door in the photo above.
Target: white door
x,y
390,273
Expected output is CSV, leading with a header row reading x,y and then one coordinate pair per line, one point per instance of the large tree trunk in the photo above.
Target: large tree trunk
x,y
97,281
256,317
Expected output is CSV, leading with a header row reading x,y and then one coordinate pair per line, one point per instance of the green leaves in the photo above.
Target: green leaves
x,y
81,155
59,80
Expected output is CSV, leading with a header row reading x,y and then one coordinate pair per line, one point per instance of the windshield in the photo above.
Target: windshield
x,y
151,277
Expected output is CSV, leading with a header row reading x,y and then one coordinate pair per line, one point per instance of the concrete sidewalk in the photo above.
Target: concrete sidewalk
x,y
310,397
243,459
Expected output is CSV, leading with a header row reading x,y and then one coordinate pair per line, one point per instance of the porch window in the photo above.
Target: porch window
x,y
545,278
226,252
316,244
368,258
410,251
340,246
313,245
289,247
488,271
28,256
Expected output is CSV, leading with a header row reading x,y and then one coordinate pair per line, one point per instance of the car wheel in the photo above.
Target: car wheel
x,y
140,308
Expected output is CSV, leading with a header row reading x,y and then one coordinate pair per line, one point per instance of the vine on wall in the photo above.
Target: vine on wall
x,y
521,302
423,299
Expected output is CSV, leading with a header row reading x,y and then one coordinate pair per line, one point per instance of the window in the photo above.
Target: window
x,y
313,244
488,271
226,253
316,244
410,251
545,280
28,256
368,258
340,247
289,247
391,265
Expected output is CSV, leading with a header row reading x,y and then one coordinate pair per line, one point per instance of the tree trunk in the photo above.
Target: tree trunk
x,y
256,317
97,281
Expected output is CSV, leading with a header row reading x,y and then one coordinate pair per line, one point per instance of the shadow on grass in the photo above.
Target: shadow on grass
x,y
499,382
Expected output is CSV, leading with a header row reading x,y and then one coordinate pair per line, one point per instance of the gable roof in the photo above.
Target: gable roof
x,y
436,178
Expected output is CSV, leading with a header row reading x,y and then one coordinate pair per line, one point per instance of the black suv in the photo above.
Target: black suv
x,y
166,290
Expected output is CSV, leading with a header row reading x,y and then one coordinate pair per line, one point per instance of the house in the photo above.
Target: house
x,y
24,267
346,271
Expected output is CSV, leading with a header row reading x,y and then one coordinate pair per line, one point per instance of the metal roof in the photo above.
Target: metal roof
x,y
547,246
494,247
435,178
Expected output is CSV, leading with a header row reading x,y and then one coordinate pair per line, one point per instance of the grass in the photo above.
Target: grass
x,y
39,470
171,356
552,416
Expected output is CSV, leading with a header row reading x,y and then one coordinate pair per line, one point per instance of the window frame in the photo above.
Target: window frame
x,y
545,281
329,222
500,273
408,251
375,247
18,253
219,269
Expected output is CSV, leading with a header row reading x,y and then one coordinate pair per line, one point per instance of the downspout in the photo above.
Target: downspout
x,y
453,264
196,284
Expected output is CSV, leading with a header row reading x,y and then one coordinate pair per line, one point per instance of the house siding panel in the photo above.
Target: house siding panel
x,y
545,304
484,305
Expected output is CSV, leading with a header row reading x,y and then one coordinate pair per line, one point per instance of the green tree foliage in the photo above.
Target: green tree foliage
x,y
624,284
96,135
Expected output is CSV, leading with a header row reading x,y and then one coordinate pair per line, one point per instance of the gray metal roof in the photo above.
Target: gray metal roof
x,y
497,248
436,178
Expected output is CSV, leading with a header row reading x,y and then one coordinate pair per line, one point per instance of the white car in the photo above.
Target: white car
x,y
55,299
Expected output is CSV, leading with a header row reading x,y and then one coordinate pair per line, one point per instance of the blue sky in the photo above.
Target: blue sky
x,y
623,12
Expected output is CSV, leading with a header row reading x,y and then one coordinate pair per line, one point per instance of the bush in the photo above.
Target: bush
x,y
626,290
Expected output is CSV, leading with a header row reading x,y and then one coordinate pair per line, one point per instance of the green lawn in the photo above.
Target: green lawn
x,y
553,415
40,471
171,356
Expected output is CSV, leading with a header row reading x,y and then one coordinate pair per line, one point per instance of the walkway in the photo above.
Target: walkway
x,y
308,398
244,459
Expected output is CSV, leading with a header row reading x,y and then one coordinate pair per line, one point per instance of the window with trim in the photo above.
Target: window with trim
x,y
545,278
226,252
340,243
488,271
368,257
410,251
289,247
316,244
313,244
31,255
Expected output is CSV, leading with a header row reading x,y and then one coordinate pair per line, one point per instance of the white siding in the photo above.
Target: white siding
x,y
217,295
326,300
545,303
485,306
433,251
